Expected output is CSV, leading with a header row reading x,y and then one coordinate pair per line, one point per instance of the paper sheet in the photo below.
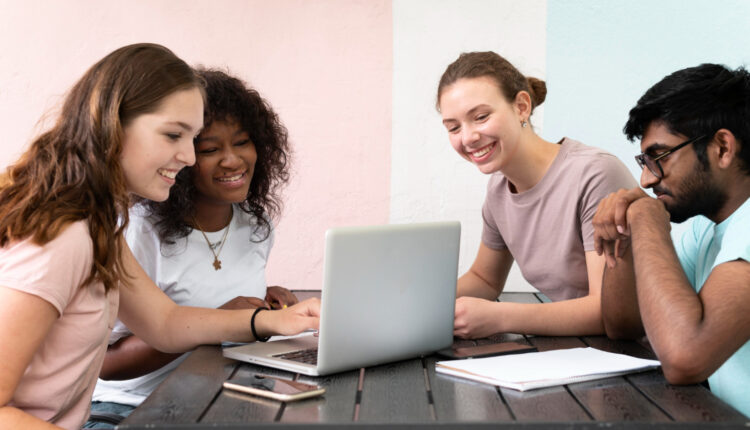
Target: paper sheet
x,y
545,369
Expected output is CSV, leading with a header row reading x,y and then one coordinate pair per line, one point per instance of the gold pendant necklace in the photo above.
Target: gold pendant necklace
x,y
211,246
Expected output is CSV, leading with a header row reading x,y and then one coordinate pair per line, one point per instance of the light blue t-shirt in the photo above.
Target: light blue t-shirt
x,y
704,246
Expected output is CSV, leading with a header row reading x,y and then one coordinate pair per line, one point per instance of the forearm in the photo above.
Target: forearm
x,y
671,310
620,312
472,285
185,328
157,320
14,418
131,357
580,316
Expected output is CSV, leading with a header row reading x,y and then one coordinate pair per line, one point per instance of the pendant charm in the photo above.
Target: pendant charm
x,y
217,264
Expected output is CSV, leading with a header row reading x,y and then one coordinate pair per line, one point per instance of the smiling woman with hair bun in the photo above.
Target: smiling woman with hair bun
x,y
540,200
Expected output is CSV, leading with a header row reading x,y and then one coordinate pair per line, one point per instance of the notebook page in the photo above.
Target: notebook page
x,y
543,369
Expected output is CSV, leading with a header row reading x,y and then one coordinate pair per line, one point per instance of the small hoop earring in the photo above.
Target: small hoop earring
x,y
524,124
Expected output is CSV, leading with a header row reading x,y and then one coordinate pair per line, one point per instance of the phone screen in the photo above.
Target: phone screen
x,y
273,387
486,350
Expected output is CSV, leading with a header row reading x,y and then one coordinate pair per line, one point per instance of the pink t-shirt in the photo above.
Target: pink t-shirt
x,y
58,383
548,228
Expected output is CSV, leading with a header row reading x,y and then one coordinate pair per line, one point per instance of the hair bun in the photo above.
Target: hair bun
x,y
538,90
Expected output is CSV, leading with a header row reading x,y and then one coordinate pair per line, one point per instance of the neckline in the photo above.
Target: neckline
x,y
541,186
220,232
721,227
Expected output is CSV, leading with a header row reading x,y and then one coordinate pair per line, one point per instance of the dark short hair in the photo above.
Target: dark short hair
x,y
698,101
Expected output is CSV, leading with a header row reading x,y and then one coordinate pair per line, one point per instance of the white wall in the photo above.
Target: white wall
x,y
429,181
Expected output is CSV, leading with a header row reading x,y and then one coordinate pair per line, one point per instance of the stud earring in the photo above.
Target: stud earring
x,y
524,124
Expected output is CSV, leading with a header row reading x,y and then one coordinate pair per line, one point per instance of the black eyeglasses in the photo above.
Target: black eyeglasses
x,y
645,160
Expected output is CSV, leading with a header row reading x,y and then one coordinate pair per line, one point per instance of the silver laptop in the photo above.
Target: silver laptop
x,y
388,294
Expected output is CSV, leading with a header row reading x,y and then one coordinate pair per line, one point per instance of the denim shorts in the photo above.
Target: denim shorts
x,y
106,415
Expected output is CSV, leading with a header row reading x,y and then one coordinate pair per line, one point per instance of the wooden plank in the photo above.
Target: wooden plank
x,y
395,393
685,403
502,337
614,399
461,400
627,347
187,391
233,407
546,404
548,343
461,426
460,343
336,406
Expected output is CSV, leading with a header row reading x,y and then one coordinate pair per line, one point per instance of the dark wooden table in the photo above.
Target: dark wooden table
x,y
410,392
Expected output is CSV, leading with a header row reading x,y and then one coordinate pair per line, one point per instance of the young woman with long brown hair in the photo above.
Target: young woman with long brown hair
x,y
208,243
126,129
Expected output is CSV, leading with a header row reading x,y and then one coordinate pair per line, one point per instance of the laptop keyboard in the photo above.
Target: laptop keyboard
x,y
309,356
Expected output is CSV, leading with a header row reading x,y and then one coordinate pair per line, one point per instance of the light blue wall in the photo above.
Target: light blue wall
x,y
603,55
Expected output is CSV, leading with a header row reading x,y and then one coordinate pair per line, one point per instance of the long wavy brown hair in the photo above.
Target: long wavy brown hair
x,y
72,172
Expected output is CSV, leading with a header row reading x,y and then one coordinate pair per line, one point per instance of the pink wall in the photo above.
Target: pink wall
x,y
328,72
325,65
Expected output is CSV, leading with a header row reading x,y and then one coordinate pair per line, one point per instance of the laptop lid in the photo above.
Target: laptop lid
x,y
388,294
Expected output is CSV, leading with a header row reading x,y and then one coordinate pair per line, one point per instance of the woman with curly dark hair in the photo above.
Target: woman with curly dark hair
x,y
207,245
231,108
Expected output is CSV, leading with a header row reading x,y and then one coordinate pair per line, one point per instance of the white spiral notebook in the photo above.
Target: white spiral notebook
x,y
545,369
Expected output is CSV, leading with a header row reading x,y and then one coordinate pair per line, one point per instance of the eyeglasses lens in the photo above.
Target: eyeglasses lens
x,y
653,166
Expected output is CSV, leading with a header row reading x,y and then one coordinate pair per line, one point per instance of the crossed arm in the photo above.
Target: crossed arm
x,y
645,287
479,315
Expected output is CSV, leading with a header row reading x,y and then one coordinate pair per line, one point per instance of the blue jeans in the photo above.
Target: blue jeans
x,y
104,415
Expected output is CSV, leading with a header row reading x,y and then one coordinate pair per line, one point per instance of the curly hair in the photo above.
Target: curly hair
x,y
229,99
72,172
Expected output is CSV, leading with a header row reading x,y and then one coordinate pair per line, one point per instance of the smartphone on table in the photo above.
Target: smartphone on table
x,y
486,350
274,388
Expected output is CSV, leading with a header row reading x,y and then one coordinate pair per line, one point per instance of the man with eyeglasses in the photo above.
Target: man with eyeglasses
x,y
692,298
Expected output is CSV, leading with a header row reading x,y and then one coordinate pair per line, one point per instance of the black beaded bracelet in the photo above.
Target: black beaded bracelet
x,y
252,325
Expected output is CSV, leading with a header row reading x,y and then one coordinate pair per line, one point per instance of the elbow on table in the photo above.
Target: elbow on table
x,y
684,367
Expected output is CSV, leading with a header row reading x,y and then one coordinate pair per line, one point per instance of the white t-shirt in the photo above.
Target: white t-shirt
x,y
185,272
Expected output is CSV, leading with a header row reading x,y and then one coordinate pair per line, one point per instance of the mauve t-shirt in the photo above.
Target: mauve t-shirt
x,y
548,228
58,382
